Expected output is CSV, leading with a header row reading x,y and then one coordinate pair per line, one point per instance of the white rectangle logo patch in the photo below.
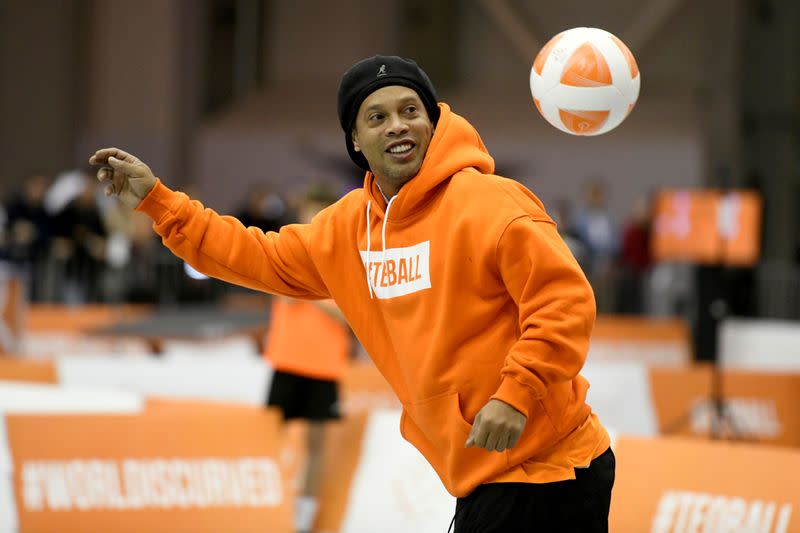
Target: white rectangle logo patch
x,y
405,270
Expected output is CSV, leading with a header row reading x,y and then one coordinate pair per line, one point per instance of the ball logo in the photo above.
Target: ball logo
x,y
585,81
559,54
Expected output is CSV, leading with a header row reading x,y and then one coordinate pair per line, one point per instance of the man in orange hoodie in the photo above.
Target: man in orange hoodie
x,y
457,284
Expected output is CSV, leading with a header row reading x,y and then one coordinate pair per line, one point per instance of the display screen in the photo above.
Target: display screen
x,y
707,226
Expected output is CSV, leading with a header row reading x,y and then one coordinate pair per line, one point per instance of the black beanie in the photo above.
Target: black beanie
x,y
369,75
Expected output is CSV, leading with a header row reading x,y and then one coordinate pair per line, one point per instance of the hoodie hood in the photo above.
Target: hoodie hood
x,y
455,146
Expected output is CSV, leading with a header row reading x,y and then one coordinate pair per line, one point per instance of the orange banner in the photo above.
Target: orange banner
x,y
31,370
165,472
677,485
79,319
707,226
620,328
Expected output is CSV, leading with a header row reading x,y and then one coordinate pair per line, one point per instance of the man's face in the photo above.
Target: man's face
x,y
393,132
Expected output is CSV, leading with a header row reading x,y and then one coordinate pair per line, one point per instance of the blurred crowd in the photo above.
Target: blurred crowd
x,y
616,259
74,245
71,244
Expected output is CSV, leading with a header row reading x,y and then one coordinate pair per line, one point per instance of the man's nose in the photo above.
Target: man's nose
x,y
397,125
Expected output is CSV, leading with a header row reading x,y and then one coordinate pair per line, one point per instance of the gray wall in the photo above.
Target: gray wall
x,y
288,132
40,80
89,73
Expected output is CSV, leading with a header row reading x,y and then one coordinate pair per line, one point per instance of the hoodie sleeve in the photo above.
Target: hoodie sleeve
x,y
556,311
221,247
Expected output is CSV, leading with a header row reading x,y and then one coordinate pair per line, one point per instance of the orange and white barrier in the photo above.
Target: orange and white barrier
x,y
766,345
34,398
373,480
655,342
757,406
234,379
174,452
677,485
180,468
630,398
52,330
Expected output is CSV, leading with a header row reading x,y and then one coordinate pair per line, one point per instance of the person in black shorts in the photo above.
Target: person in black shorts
x,y
308,346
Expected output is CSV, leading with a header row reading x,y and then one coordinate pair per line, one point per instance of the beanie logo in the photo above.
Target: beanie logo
x,y
382,71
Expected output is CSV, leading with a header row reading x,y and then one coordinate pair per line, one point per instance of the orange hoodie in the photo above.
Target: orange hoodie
x,y
460,289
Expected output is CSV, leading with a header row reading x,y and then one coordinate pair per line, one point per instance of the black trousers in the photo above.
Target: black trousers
x,y
577,505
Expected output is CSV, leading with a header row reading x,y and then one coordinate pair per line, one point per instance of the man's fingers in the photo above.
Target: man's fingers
x,y
502,443
123,166
472,440
101,156
491,441
481,434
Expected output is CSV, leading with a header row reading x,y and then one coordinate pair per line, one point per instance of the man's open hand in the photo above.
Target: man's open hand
x,y
497,427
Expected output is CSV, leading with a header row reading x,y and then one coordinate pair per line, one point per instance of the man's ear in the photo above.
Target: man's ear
x,y
354,136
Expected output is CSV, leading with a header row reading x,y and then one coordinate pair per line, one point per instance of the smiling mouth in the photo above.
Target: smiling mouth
x,y
400,149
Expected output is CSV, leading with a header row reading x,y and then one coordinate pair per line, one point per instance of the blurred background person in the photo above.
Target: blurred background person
x,y
29,231
562,214
78,251
595,228
308,344
635,259
265,209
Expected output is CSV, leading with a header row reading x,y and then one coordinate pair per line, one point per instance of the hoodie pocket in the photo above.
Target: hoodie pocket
x,y
439,431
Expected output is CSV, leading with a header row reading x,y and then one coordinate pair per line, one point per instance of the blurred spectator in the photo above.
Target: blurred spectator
x,y
265,210
123,242
79,246
142,282
29,231
635,259
595,228
66,187
308,368
562,214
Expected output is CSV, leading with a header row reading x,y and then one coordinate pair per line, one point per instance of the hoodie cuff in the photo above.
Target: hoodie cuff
x,y
157,202
520,397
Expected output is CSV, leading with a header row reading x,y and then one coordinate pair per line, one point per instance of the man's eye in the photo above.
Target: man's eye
x,y
375,116
411,109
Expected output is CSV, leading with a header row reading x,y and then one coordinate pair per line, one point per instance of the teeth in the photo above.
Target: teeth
x,y
400,148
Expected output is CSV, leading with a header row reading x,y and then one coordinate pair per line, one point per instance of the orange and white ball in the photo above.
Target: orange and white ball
x,y
585,81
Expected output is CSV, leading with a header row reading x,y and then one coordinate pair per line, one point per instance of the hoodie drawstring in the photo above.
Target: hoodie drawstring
x,y
383,229
366,261
369,242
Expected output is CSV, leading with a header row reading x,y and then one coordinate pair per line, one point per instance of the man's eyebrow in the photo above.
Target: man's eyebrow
x,y
379,107
373,107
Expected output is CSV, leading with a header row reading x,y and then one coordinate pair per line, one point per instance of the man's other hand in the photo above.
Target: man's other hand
x,y
497,427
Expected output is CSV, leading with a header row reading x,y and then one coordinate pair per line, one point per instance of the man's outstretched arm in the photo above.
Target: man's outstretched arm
x,y
215,245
